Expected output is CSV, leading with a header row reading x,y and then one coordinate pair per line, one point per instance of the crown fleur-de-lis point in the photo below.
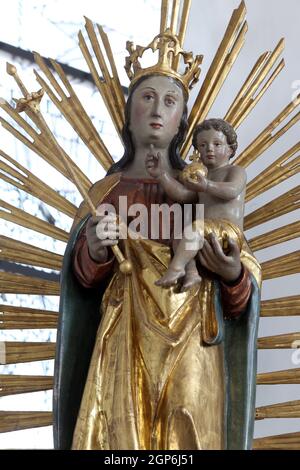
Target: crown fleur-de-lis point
x,y
169,49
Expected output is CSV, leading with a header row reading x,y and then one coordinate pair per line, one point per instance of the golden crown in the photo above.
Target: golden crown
x,y
170,51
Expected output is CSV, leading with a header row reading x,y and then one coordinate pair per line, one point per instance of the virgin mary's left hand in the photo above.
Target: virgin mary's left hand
x,y
212,257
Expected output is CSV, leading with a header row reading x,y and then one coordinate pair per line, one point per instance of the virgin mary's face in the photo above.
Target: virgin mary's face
x,y
156,111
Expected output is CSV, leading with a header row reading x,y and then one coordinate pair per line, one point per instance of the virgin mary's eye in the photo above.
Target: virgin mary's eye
x,y
169,102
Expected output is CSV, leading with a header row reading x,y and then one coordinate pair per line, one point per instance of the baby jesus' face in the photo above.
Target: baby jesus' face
x,y
213,148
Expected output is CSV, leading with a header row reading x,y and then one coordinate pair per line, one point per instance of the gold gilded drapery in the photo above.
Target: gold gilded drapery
x,y
152,383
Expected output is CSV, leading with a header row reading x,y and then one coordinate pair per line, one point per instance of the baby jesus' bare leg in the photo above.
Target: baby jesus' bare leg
x,y
183,264
191,277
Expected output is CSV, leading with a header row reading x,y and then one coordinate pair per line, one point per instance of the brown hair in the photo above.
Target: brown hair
x,y
218,125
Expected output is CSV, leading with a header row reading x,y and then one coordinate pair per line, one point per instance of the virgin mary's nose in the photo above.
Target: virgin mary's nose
x,y
157,108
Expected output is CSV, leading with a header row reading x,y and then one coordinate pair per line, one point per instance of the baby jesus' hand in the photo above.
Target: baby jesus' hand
x,y
153,163
198,185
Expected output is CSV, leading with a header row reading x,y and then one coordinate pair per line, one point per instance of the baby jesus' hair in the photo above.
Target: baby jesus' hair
x,y
218,125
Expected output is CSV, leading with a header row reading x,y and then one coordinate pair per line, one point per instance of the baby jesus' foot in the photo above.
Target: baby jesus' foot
x,y
192,278
171,277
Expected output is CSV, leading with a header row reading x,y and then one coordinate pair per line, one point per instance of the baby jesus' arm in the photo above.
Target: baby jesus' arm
x,y
232,186
175,190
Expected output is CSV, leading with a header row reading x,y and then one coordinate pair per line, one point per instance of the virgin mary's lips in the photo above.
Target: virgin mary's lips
x,y
156,125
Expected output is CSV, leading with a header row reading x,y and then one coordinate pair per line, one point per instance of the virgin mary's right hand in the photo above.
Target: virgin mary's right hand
x,y
153,163
101,232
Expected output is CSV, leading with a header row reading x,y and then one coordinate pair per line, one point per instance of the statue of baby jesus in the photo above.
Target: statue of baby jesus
x,y
221,192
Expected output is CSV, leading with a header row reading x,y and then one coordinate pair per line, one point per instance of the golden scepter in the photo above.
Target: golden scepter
x,y
31,104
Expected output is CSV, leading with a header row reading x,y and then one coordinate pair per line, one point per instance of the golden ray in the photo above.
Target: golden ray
x,y
289,409
49,152
289,376
283,168
16,352
250,105
15,384
12,317
44,141
23,179
174,16
100,84
20,217
281,266
286,341
266,138
183,21
283,306
287,202
164,16
233,108
35,146
246,99
115,81
108,86
290,441
73,111
17,420
221,65
279,235
19,252
19,284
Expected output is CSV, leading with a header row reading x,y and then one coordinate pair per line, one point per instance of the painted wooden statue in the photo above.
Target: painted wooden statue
x,y
156,344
